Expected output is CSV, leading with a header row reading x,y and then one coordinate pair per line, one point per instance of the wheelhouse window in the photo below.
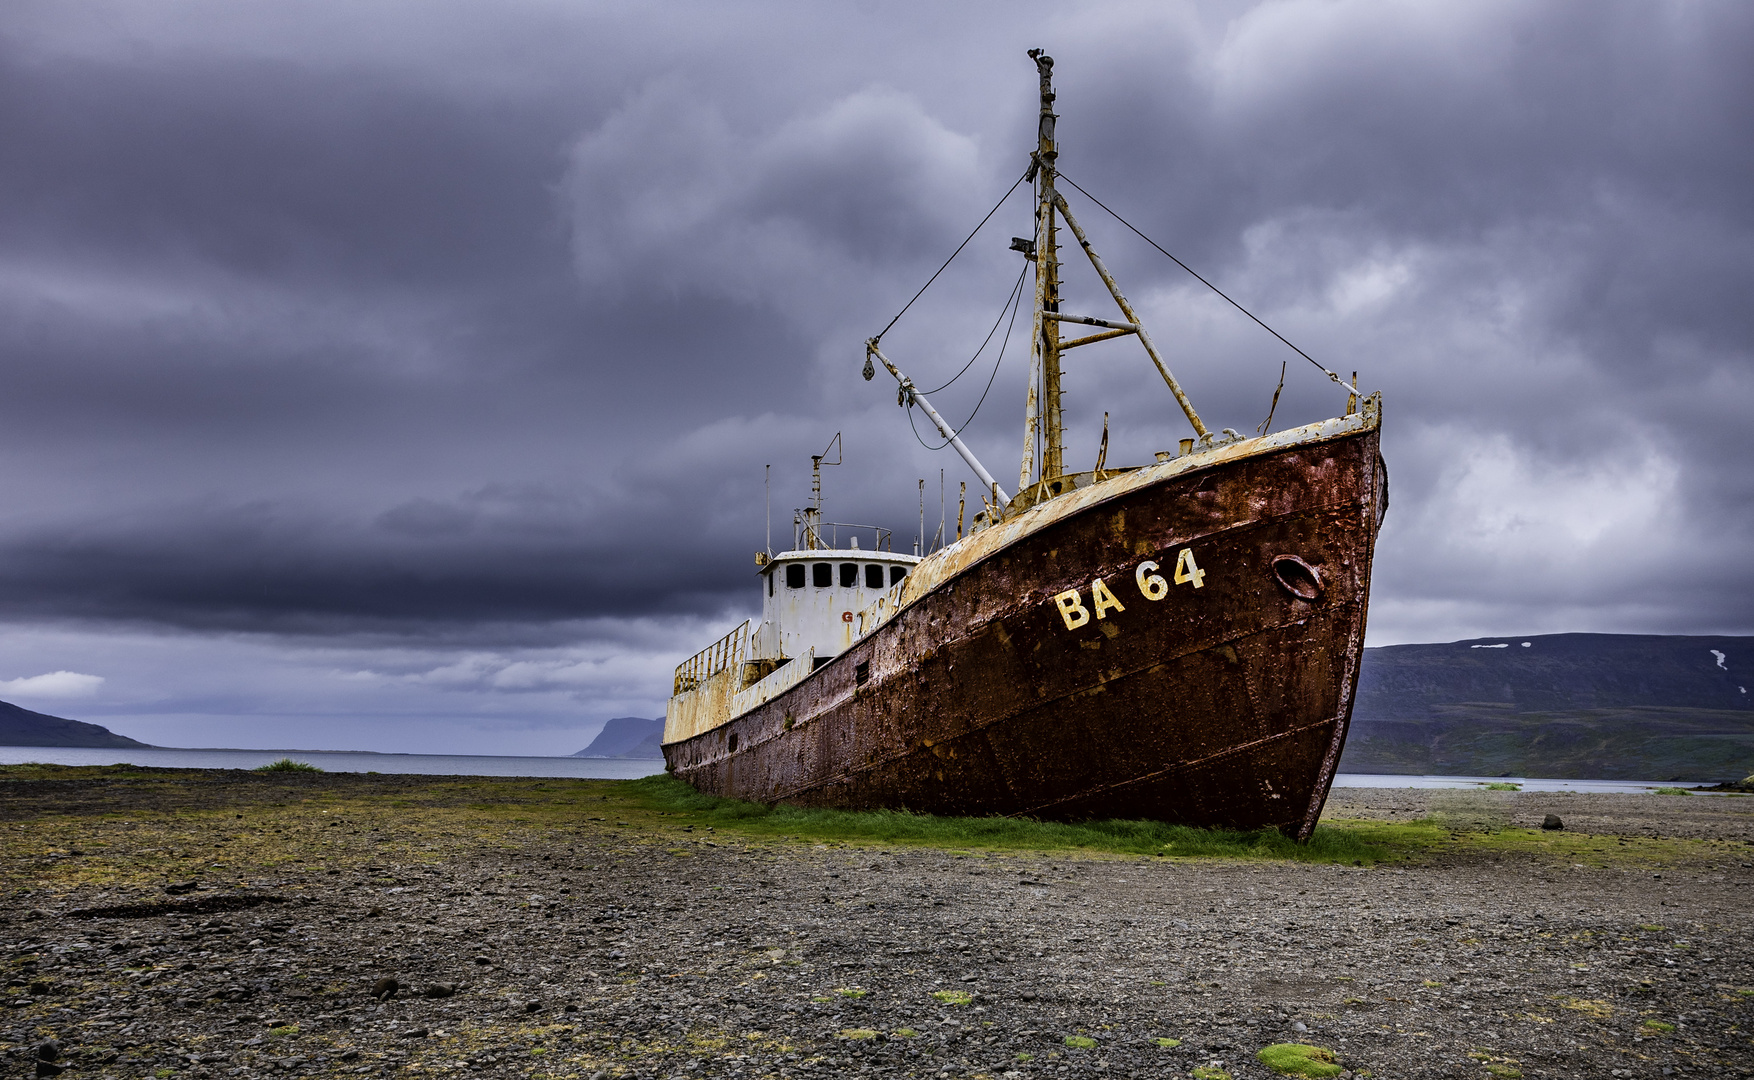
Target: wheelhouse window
x,y
822,575
873,575
795,575
849,574
896,573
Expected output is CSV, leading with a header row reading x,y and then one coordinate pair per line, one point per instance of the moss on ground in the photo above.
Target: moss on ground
x,y
1300,1059
669,795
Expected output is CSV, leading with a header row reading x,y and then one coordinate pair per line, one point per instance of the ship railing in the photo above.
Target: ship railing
x,y
827,535
727,652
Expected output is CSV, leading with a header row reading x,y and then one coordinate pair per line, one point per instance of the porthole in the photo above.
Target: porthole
x,y
733,742
795,575
873,575
822,575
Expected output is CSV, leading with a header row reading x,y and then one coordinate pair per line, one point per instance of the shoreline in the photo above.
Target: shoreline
x,y
629,768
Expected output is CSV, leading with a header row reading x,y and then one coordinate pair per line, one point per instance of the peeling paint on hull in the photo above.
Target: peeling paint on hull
x,y
1224,704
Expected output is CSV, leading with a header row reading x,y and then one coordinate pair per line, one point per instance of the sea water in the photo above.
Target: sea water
x,y
342,761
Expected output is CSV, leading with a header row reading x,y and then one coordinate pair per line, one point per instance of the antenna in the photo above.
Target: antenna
x,y
920,537
767,502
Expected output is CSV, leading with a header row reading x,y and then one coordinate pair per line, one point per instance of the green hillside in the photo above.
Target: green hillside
x,y
1608,706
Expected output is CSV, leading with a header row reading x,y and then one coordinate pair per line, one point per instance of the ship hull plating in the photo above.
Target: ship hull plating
x,y
1224,702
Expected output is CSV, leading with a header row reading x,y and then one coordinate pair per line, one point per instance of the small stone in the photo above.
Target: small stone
x,y
439,990
385,989
1551,821
416,1033
1299,1025
48,1051
532,1006
350,1055
49,1068
180,887
484,961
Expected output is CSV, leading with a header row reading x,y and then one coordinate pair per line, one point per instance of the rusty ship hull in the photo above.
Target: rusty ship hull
x,y
981,689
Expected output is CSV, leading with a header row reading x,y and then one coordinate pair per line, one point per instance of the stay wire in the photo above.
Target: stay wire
x,y
1017,305
1335,376
1009,300
953,256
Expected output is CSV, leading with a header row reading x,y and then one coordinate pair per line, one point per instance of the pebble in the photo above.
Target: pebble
x,y
385,989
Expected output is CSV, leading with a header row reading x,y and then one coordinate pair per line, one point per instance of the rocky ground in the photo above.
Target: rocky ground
x,y
554,929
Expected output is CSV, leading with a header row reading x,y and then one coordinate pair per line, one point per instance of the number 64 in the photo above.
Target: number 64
x,y
1153,587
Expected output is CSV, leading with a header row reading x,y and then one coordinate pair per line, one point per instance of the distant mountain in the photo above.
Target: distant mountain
x,y
21,727
1609,706
627,737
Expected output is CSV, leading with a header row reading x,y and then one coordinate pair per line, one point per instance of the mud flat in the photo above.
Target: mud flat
x,y
557,928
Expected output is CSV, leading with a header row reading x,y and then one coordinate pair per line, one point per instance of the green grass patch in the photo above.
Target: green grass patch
x,y
849,992
1658,1026
1167,1044
953,997
905,1033
286,764
1297,1059
857,1034
1506,1072
1499,785
669,795
1080,1042
1671,791
1210,1072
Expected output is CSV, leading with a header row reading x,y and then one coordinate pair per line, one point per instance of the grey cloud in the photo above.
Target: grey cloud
x,y
340,323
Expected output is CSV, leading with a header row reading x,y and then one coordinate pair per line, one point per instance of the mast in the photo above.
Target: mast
x,y
812,514
1042,411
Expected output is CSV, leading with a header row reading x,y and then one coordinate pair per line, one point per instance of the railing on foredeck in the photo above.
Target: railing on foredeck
x,y
729,650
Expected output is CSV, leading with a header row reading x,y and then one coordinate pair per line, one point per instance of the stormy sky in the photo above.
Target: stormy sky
x,y
400,376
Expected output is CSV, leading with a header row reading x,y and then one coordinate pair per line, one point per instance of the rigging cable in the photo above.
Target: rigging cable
x,y
1334,375
955,253
989,338
1015,304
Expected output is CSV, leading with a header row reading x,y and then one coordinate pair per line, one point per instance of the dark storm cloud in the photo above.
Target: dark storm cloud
x,y
364,326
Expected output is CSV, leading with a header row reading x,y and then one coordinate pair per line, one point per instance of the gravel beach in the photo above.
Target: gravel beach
x,y
229,925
